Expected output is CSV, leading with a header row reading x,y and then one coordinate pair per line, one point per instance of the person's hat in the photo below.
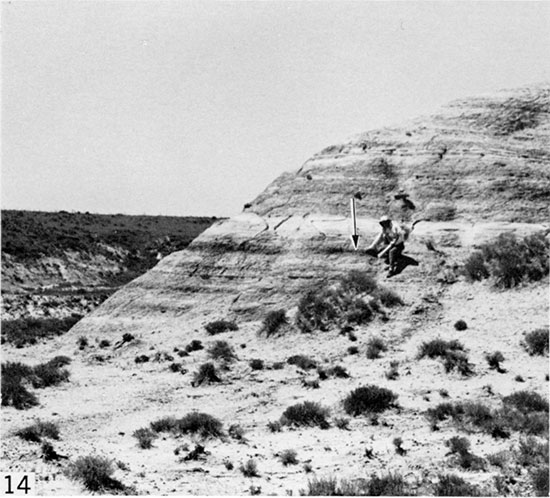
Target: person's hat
x,y
385,219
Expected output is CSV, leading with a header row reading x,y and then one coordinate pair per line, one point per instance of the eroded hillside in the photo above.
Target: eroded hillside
x,y
452,353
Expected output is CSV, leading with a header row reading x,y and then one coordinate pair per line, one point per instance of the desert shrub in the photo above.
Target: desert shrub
x,y
60,361
453,485
48,374
519,378
461,447
342,423
359,282
194,345
527,401
35,432
311,383
374,347
452,353
221,350
220,326
389,298
500,459
199,423
145,437
438,348
531,452
95,473
393,372
256,364
249,469
175,367
539,479
338,371
82,342
536,342
207,373
301,361
359,311
316,310
494,359
306,413
352,337
386,485
236,432
142,358
353,350
273,322
324,305
369,399
510,261
278,365
30,330
288,457
458,360
228,464
165,424
325,486
460,325
14,393
274,426
104,343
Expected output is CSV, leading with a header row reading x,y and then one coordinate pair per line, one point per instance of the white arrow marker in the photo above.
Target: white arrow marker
x,y
354,236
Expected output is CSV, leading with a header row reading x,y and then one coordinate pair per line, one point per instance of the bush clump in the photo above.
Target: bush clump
x,y
194,345
385,485
438,348
145,437
207,374
95,473
194,423
306,414
460,325
25,331
452,353
220,326
536,342
375,346
199,423
48,374
527,401
510,261
352,299
273,322
14,393
369,399
301,361
35,432
249,469
256,364
453,485
494,360
389,298
288,457
223,351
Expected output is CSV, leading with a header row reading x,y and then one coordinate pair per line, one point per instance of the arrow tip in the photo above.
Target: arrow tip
x,y
355,240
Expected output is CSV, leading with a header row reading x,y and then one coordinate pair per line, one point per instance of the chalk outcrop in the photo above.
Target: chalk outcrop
x,y
478,168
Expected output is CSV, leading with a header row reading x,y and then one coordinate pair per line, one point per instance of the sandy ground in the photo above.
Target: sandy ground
x,y
105,402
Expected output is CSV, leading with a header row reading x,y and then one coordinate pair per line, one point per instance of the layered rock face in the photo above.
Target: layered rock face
x,y
478,168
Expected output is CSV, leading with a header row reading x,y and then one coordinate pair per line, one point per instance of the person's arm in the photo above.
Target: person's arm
x,y
375,243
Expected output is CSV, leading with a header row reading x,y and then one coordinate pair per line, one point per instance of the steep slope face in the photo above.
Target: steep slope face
x,y
478,168
487,158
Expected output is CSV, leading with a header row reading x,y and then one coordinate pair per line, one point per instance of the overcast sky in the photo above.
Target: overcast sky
x,y
193,108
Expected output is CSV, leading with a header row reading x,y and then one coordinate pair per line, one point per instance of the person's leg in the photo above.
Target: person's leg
x,y
395,254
